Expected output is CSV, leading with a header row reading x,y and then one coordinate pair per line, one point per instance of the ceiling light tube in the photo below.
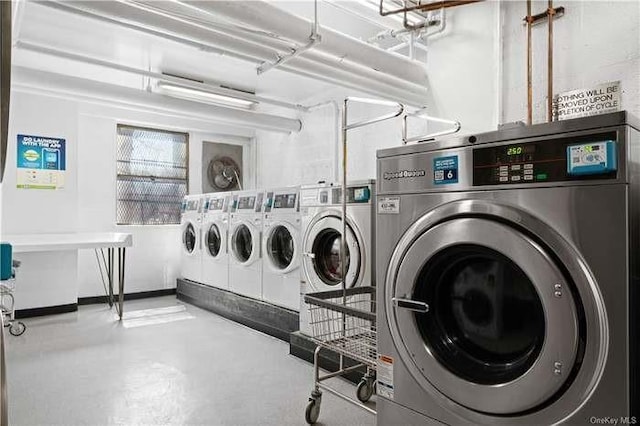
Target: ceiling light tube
x,y
204,96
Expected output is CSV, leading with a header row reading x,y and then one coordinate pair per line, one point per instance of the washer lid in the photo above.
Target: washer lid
x,y
480,311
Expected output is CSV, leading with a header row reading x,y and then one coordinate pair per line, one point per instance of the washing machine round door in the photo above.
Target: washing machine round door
x,y
281,248
189,238
245,244
484,314
214,240
322,260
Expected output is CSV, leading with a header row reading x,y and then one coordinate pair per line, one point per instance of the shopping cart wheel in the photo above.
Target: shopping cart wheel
x,y
312,412
17,328
364,391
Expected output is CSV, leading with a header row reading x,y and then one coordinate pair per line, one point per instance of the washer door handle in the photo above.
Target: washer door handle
x,y
309,255
412,305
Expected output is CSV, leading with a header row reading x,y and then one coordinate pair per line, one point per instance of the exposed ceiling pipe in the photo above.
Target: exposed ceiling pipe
x,y
93,91
314,65
314,38
265,16
205,87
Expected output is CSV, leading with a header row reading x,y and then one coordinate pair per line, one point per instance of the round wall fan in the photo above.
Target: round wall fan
x,y
224,174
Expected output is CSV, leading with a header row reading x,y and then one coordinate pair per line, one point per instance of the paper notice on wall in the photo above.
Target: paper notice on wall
x,y
600,99
384,374
41,162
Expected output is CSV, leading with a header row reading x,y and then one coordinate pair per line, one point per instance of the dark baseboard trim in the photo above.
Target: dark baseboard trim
x,y
127,296
265,317
48,310
301,346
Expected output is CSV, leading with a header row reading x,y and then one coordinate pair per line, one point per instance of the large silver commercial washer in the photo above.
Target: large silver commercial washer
x,y
507,269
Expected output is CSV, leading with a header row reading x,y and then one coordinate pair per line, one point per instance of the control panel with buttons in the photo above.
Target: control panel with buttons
x,y
553,160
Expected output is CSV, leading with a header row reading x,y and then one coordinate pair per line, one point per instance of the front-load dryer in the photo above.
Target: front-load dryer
x,y
245,236
215,236
321,213
507,272
191,238
281,248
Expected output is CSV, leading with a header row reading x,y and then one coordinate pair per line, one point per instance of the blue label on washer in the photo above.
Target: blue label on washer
x,y
445,170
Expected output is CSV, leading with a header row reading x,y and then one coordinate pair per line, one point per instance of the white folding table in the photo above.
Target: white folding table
x,y
98,241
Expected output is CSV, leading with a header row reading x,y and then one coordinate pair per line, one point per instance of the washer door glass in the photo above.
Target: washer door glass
x,y
242,243
326,251
489,324
281,247
214,240
189,238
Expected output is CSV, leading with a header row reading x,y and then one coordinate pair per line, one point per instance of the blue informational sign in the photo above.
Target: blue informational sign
x,y
41,162
445,170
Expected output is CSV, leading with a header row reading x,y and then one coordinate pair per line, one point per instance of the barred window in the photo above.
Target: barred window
x,y
152,175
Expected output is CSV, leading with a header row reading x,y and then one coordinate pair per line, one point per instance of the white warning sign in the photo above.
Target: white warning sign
x,y
389,205
600,99
384,375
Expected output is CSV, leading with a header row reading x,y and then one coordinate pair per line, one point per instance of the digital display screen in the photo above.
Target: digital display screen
x,y
284,201
246,203
520,149
354,195
216,204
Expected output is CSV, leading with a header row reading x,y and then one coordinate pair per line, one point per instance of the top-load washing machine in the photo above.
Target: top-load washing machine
x,y
245,236
215,235
191,243
281,248
508,275
321,215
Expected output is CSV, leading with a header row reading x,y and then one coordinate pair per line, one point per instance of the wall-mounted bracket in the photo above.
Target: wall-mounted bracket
x,y
541,17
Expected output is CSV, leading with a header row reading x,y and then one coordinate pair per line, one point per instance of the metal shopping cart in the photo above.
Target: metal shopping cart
x,y
343,322
7,303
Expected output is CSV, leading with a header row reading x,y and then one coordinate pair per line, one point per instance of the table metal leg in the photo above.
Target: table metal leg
x,y
122,251
110,273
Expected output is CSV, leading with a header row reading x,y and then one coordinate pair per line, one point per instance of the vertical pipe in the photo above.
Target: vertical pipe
x,y
550,14
343,240
412,47
529,67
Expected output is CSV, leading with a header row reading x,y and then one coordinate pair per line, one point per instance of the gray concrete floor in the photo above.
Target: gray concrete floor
x,y
86,368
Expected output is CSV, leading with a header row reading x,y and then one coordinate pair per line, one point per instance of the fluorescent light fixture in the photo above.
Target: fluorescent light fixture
x,y
204,96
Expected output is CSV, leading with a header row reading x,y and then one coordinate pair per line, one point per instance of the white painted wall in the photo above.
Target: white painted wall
x,y
42,211
87,204
594,42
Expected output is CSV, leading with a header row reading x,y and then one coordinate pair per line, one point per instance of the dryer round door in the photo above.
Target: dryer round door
x,y
321,253
190,238
281,247
215,239
245,243
483,314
